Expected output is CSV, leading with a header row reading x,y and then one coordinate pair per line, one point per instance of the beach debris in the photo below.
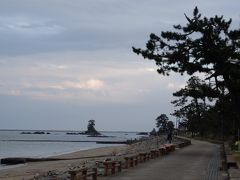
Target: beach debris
x,y
13,161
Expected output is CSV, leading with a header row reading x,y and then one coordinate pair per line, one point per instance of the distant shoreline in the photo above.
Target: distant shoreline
x,y
52,130
36,140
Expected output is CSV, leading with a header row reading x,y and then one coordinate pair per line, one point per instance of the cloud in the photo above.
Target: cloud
x,y
91,84
92,25
27,26
101,77
14,93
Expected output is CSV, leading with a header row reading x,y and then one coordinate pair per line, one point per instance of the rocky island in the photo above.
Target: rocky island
x,y
90,132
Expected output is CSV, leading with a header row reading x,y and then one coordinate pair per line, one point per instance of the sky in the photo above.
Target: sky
x,y
64,62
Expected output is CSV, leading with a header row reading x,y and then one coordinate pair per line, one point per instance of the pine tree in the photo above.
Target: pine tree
x,y
203,45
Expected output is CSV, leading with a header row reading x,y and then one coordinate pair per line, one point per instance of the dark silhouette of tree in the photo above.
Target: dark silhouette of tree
x,y
153,132
161,123
91,128
91,125
192,103
204,45
198,116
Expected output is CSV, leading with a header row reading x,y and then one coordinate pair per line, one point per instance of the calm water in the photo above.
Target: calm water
x,y
10,146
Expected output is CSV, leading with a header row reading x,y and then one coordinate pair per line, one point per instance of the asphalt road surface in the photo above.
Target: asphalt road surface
x,y
199,161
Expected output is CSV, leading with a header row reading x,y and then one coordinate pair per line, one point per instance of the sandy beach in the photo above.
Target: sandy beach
x,y
35,169
77,159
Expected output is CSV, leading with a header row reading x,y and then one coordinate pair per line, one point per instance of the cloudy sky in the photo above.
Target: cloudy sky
x,y
63,62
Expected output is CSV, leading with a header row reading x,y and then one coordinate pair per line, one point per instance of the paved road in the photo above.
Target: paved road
x,y
199,161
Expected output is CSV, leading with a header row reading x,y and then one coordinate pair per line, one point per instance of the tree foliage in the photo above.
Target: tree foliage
x,y
205,45
208,46
91,128
163,124
192,105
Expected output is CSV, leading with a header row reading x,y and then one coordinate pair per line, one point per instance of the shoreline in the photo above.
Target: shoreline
x,y
57,153
54,156
66,161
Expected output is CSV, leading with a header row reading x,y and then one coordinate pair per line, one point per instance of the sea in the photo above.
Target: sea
x,y
45,143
